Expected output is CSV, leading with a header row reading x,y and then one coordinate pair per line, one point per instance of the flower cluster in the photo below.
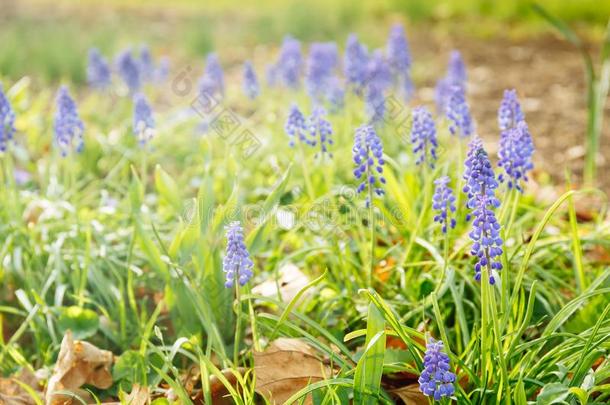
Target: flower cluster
x,y
250,84
455,76
336,94
423,136
355,64
379,74
458,113
399,58
321,63
478,174
236,264
375,103
143,121
296,127
213,76
98,71
367,155
480,187
290,62
485,234
515,155
320,129
436,379
146,64
129,71
443,201
68,126
509,113
7,121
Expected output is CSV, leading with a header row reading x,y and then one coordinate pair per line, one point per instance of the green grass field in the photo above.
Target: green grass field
x,y
122,246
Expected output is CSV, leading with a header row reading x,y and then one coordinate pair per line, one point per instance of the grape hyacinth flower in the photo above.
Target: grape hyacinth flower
x,y
443,202
355,62
321,64
213,72
378,71
162,70
458,113
515,155
479,175
143,121
423,136
455,76
98,71
485,235
129,71
436,379
236,264
367,155
296,127
336,95
375,103
320,129
68,126
399,58
272,75
250,84
7,121
290,63
509,113
146,64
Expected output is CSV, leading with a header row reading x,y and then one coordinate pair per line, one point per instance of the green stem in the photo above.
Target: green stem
x,y
500,353
308,185
237,324
372,229
484,337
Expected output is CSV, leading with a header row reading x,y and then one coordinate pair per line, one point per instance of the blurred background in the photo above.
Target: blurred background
x,y
504,43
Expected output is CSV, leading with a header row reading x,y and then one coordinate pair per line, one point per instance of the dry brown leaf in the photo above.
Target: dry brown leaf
x,y
285,367
11,392
78,363
139,396
290,281
410,395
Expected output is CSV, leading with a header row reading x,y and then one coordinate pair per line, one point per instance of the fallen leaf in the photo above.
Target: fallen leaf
x,y
290,281
410,395
285,367
78,363
12,389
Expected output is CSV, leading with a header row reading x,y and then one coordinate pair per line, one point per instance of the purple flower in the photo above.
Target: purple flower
x,y
399,59
321,63
143,121
455,76
399,55
129,71
214,75
435,379
98,71
367,155
443,202
480,188
146,64
68,126
485,235
7,121
290,63
320,129
296,127
162,70
272,75
250,84
375,103
355,64
236,264
378,71
458,113
515,155
509,113
479,175
336,94
423,136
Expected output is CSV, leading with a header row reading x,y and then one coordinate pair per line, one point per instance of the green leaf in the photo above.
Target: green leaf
x,y
554,393
367,379
167,188
83,322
